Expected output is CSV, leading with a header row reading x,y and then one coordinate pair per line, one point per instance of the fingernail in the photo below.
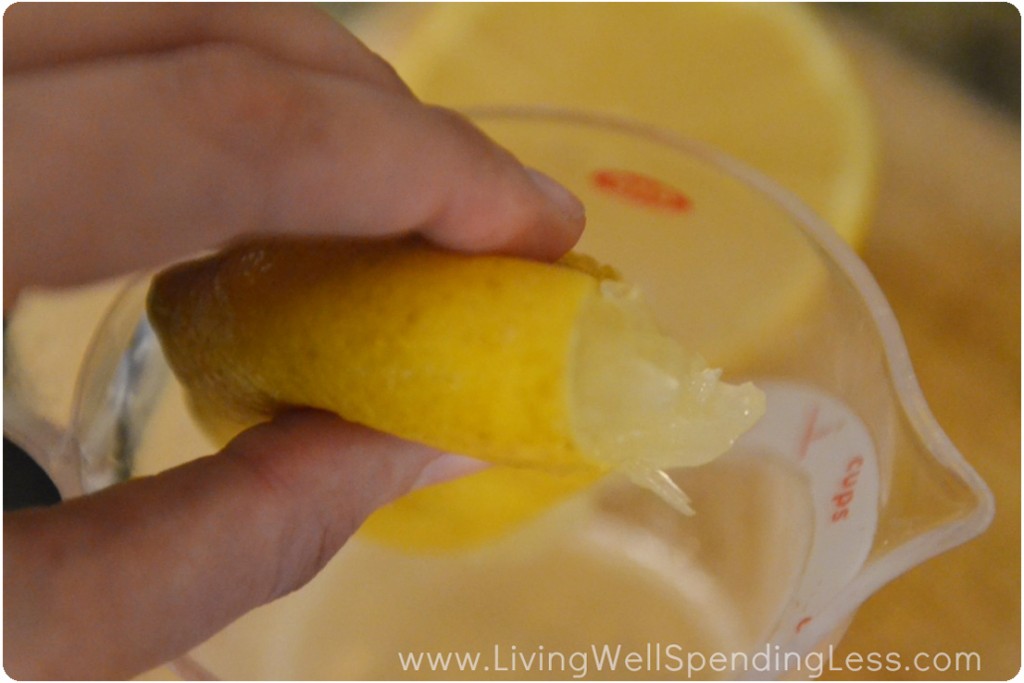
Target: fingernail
x,y
446,468
558,195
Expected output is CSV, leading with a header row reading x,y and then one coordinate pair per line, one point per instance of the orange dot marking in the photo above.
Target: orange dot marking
x,y
641,190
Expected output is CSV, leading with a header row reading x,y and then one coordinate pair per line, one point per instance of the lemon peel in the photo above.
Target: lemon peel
x,y
554,372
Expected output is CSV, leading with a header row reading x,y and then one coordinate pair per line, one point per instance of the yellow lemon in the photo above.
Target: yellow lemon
x,y
763,82
554,372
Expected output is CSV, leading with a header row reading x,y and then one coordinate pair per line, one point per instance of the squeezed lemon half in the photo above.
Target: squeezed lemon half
x,y
553,372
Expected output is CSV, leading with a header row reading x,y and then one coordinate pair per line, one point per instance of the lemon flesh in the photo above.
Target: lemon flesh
x,y
554,372
764,82
644,404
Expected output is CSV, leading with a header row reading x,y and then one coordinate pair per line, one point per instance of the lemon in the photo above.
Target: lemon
x,y
554,372
763,82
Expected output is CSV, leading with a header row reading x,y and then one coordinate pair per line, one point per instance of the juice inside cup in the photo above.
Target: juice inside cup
x,y
844,484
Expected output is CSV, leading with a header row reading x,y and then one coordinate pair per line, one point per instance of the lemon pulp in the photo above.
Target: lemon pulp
x,y
644,404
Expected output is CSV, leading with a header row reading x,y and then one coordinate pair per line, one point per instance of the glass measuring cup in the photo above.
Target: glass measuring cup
x,y
846,483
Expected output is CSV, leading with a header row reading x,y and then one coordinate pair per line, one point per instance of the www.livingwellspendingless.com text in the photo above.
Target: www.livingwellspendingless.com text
x,y
672,658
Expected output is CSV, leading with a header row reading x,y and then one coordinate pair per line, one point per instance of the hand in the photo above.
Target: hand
x,y
139,134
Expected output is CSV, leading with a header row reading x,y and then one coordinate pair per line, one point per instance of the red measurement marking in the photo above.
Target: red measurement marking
x,y
641,190
813,433
803,622
842,499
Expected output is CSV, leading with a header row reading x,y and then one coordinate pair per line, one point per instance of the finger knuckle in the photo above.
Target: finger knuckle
x,y
508,205
305,539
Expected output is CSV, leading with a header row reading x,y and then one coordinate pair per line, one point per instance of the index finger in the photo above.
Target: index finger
x,y
118,166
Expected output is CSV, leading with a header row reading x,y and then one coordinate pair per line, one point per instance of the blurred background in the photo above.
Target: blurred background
x,y
958,221
976,43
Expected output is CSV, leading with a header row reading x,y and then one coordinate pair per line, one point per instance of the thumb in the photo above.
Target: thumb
x,y
112,584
